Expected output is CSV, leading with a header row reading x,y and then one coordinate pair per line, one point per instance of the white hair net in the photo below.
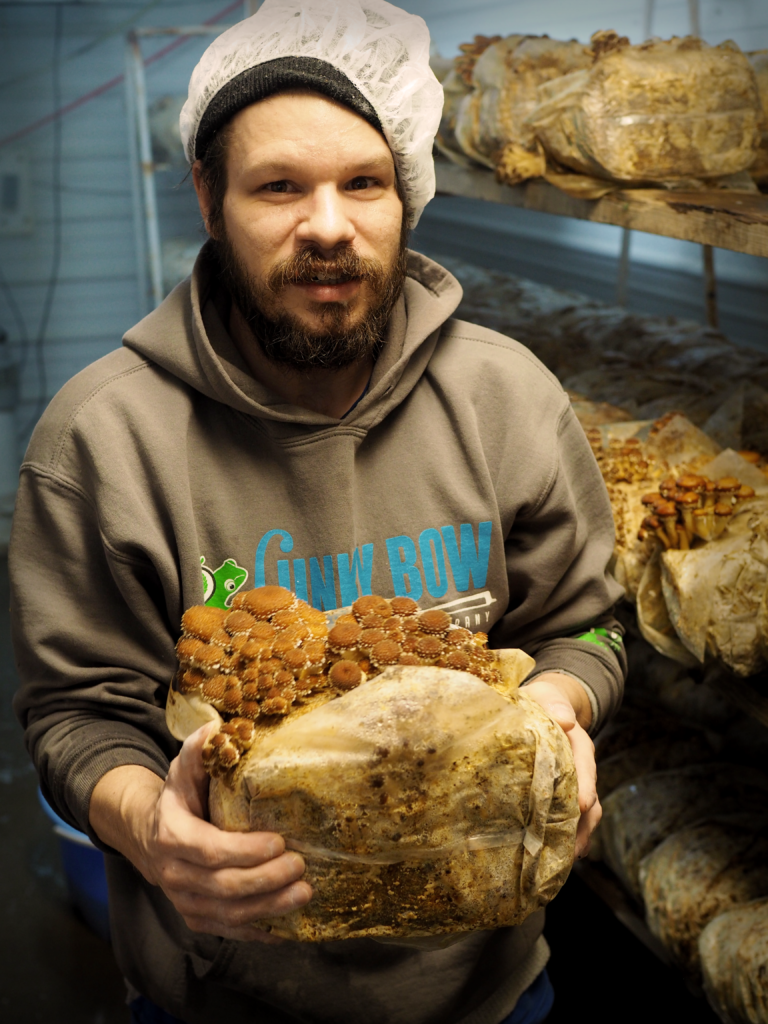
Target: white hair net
x,y
381,49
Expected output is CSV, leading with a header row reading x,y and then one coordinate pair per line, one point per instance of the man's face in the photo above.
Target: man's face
x,y
311,235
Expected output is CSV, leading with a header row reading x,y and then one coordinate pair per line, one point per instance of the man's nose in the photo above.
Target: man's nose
x,y
326,224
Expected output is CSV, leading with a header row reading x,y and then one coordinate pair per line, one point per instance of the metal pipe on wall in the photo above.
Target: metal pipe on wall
x,y
147,171
138,212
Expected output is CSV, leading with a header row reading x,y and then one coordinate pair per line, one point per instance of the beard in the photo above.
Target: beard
x,y
343,336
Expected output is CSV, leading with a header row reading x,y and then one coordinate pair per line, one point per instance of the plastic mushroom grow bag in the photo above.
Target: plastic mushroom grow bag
x,y
659,111
424,802
389,746
491,122
698,873
734,958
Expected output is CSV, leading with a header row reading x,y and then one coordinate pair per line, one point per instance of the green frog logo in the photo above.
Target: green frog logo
x,y
220,585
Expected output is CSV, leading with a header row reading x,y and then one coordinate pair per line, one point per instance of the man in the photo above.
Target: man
x,y
305,394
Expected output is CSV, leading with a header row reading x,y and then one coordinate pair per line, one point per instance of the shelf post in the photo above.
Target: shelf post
x,y
147,171
622,279
710,285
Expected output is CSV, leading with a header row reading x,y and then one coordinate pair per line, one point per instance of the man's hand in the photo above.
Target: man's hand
x,y
564,699
218,881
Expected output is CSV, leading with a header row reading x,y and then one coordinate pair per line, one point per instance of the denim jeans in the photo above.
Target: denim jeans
x,y
532,1007
534,1004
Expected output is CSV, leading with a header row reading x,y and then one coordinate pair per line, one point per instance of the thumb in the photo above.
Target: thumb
x,y
562,712
187,777
555,703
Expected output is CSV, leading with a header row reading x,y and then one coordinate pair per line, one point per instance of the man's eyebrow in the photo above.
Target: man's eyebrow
x,y
285,168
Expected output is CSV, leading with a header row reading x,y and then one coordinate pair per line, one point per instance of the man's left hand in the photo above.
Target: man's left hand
x,y
564,699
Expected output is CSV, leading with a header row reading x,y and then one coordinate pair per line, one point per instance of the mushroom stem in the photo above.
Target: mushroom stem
x,y
666,513
704,522
723,515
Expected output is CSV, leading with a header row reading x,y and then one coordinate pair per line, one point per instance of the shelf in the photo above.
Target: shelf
x,y
749,695
605,886
729,220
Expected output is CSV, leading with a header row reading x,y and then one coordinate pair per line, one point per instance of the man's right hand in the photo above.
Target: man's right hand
x,y
220,882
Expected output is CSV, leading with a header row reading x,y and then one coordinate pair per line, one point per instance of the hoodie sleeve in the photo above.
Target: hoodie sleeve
x,y
94,647
561,594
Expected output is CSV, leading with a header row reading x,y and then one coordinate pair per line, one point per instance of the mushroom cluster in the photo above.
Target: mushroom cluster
x,y
692,507
271,654
623,461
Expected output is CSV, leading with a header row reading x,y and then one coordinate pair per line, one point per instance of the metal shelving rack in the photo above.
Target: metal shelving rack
x,y
149,252
148,244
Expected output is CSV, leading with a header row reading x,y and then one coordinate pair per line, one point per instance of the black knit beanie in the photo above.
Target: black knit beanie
x,y
275,76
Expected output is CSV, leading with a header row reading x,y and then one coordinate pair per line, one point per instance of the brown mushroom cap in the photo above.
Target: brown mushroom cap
x,y
276,706
295,660
688,499
315,651
458,660
191,679
314,619
370,637
434,621
690,482
666,510
371,604
722,509
728,483
404,606
457,636
408,658
237,623
430,647
266,601
386,652
745,492
346,675
203,622
289,619
186,647
209,657
652,500
751,457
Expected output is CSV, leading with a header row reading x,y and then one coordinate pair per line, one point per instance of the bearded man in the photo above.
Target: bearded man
x,y
305,393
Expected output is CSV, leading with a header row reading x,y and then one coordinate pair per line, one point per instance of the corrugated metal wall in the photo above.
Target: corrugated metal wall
x,y
96,298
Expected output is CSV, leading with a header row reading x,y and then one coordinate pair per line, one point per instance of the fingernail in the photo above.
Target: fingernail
x,y
275,848
301,894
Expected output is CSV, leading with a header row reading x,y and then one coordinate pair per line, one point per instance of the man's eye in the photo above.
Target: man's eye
x,y
278,186
360,183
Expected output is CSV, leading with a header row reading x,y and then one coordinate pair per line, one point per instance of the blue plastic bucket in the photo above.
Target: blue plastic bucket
x,y
84,870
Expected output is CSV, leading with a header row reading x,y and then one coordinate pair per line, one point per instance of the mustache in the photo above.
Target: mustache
x,y
308,265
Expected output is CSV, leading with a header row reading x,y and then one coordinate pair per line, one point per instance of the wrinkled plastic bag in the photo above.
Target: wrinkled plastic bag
x,y
424,803
759,61
734,954
715,594
698,873
491,122
662,110
638,816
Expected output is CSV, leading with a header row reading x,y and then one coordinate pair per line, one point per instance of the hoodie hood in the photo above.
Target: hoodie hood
x,y
185,336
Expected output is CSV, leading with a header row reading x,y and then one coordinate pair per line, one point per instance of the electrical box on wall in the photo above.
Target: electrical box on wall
x,y
15,193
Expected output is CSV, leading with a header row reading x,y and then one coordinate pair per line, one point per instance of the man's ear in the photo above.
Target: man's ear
x,y
203,196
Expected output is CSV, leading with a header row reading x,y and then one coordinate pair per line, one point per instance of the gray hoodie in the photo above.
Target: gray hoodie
x,y
462,479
